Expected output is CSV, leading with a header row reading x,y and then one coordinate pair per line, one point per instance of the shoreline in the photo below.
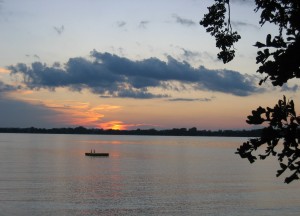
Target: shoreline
x,y
138,132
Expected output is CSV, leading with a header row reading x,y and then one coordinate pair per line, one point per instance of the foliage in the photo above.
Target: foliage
x,y
279,61
214,22
283,124
280,56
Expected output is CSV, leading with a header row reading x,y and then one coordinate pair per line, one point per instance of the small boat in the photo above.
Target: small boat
x,y
93,154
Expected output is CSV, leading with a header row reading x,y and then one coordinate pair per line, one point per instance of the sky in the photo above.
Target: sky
x,y
127,64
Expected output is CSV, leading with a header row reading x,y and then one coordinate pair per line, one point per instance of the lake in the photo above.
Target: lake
x,y
144,175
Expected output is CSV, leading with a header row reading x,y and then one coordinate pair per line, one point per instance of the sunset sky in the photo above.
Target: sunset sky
x,y
127,64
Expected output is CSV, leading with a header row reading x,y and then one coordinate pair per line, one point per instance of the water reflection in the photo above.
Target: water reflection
x,y
49,175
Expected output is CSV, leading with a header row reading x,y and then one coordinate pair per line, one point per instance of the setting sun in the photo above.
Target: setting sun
x,y
114,125
118,127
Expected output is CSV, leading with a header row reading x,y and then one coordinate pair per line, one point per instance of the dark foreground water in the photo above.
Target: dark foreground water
x,y
144,175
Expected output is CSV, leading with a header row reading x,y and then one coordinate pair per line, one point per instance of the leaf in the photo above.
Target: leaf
x,y
279,172
278,64
251,158
291,178
259,44
268,40
283,166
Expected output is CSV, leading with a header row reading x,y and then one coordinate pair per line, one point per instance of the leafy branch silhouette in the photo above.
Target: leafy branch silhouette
x,y
283,124
215,23
279,61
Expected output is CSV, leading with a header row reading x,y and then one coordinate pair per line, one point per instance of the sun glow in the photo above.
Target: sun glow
x,y
79,113
114,125
118,127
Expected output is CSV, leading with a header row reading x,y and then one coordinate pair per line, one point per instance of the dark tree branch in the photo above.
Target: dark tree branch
x,y
279,60
214,22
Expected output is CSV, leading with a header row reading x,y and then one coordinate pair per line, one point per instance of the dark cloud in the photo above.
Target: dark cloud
x,y
114,76
56,65
183,21
59,30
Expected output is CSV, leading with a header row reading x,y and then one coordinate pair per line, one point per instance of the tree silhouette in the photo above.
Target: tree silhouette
x,y
278,59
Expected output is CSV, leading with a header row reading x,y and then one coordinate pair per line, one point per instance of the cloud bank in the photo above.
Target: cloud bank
x,y
110,75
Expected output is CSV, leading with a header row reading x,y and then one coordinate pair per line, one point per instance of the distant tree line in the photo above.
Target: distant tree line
x,y
151,132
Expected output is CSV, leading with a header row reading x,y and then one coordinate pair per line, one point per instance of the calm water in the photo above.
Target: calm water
x,y
49,175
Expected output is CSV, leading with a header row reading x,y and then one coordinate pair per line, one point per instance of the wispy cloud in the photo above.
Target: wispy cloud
x,y
59,30
239,24
6,87
121,24
191,99
110,75
243,1
143,24
196,56
34,56
184,21
293,88
78,113
189,55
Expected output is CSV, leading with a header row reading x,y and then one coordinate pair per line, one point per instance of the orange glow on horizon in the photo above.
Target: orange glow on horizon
x,y
79,113
114,125
118,127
